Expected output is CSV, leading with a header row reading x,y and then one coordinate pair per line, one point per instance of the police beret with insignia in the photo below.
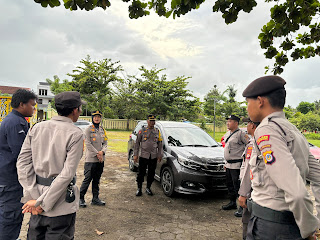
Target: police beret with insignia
x,y
151,117
70,99
96,113
233,117
264,85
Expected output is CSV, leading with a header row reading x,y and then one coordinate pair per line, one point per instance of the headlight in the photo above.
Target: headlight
x,y
188,163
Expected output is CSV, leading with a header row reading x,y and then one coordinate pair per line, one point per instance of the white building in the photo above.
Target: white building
x,y
44,99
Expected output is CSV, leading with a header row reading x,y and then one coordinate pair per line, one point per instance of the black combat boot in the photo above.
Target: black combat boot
x,y
139,192
230,205
239,212
97,202
82,203
149,192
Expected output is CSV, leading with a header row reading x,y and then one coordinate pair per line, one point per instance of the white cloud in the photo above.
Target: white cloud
x,y
37,43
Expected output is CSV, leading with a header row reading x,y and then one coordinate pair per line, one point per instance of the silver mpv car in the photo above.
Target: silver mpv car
x,y
192,163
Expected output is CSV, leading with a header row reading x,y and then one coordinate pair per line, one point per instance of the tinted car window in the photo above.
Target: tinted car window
x,y
189,137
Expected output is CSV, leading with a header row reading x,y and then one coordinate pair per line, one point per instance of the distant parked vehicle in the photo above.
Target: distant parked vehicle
x,y
82,124
193,161
315,151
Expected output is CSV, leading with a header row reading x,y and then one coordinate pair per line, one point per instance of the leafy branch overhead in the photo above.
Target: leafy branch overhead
x,y
293,31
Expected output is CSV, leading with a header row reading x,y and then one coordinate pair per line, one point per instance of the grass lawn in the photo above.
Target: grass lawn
x,y
118,140
314,142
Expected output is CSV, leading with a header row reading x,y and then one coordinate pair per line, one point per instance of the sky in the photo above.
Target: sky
x,y
37,43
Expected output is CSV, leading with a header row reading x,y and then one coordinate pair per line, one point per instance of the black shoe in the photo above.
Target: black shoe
x,y
82,203
139,192
149,192
239,212
230,205
97,202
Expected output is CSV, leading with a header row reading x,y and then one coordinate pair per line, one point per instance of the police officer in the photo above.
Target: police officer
x,y
245,185
13,131
235,142
96,143
281,206
47,166
148,147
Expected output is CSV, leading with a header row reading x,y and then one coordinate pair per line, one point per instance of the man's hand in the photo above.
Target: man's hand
x,y
135,159
30,208
242,201
159,159
312,237
100,156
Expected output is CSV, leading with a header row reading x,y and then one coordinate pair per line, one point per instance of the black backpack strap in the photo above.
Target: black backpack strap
x,y
231,135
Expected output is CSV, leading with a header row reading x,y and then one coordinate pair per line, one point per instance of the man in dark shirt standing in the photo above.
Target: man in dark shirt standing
x,y
13,131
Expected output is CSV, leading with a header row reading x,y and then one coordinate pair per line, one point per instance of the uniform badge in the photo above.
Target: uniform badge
x,y
249,151
93,139
265,146
268,157
251,174
263,138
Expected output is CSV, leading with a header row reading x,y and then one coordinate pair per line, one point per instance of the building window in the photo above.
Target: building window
x,y
43,92
40,101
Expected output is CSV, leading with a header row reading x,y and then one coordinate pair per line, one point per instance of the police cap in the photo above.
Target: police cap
x,y
233,117
248,120
69,99
151,117
96,113
264,85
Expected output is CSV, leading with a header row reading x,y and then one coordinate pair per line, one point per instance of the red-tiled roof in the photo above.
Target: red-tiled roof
x,y
11,90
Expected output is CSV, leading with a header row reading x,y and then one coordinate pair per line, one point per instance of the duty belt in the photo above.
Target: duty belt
x,y
269,214
48,181
234,161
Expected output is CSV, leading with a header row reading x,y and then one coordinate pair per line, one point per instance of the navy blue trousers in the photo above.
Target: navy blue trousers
x,y
10,211
260,229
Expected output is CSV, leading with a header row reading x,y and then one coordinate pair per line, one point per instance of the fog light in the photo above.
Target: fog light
x,y
190,184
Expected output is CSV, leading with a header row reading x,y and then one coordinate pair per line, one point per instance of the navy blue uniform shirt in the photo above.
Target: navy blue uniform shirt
x,y
13,131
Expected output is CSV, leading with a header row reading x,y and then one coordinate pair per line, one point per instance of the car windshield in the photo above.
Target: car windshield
x,y
187,136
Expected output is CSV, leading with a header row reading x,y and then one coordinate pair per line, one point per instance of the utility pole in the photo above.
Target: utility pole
x,y
214,118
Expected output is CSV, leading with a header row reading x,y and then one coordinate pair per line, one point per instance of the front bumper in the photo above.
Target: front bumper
x,y
190,181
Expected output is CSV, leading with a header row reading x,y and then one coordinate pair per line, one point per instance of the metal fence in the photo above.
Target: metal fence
x,y
124,124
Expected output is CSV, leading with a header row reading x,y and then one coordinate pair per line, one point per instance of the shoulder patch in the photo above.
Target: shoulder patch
x,y
268,157
263,138
249,152
265,146
139,132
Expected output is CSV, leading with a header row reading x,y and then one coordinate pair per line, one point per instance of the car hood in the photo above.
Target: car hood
x,y
201,154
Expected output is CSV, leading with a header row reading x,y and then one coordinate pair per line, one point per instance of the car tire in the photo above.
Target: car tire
x,y
132,167
167,182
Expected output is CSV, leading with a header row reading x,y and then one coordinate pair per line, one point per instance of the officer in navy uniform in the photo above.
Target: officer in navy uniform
x,y
96,143
148,147
281,207
235,143
13,131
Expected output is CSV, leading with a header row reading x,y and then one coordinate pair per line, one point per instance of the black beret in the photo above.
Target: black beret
x,y
233,117
96,113
69,99
263,86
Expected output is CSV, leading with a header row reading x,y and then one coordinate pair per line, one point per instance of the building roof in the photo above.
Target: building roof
x,y
11,90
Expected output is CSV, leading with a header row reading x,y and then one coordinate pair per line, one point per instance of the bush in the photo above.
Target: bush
x,y
313,136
